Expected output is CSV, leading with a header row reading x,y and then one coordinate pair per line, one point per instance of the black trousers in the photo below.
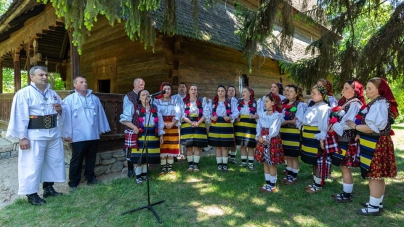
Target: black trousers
x,y
82,150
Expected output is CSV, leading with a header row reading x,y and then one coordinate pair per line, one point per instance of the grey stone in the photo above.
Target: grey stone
x,y
106,156
5,155
98,170
14,154
97,160
118,154
108,170
116,167
121,159
108,161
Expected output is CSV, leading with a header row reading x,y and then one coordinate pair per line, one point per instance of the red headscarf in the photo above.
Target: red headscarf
x,y
358,92
385,91
160,96
252,93
278,103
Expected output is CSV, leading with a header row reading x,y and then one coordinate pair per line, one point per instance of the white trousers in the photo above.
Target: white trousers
x,y
43,162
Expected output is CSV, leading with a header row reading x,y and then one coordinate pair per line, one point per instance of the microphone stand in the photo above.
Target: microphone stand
x,y
149,205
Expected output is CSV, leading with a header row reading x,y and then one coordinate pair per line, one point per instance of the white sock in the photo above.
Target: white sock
x,y
250,159
218,160
163,162
317,180
190,158
295,170
234,153
243,158
374,202
144,168
170,161
196,159
225,160
273,179
347,188
138,170
267,177
289,168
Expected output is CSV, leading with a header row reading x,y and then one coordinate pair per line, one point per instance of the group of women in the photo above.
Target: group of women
x,y
347,133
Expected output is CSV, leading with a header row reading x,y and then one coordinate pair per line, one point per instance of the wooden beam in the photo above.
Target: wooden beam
x,y
63,47
74,59
17,72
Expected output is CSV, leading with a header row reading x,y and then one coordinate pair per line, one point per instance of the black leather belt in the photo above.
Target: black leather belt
x,y
42,122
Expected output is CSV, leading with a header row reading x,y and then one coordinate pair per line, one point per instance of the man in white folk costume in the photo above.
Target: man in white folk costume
x,y
84,123
36,112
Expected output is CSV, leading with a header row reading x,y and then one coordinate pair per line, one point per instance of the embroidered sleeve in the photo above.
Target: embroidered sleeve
x,y
276,123
322,118
127,113
377,116
301,108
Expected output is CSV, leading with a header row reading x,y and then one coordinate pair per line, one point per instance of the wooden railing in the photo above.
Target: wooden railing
x,y
112,104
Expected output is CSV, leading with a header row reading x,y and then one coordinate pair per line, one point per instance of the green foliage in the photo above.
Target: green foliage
x,y
4,4
397,87
8,80
257,26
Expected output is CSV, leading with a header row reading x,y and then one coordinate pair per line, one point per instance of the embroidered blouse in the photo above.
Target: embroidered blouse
x,y
272,122
317,115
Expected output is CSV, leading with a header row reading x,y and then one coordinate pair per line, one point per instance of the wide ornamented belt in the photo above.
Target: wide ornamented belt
x,y
42,122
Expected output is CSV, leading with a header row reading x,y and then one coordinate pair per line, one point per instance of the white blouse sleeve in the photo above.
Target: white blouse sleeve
x,y
234,110
161,124
333,101
178,111
261,106
276,125
127,113
377,116
301,109
258,128
323,118
207,109
340,126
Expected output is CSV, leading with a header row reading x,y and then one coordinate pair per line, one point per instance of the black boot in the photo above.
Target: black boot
x,y
34,199
49,191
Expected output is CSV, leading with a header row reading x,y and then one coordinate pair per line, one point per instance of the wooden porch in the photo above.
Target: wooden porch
x,y
112,104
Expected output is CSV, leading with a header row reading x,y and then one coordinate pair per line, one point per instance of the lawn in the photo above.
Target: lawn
x,y
210,198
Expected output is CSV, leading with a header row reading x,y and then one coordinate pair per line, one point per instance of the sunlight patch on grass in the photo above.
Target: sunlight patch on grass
x,y
206,188
258,201
273,209
307,221
195,203
211,210
192,180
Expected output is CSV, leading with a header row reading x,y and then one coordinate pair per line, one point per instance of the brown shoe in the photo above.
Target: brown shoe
x,y
291,181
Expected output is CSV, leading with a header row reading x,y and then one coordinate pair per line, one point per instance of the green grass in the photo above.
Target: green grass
x,y
209,198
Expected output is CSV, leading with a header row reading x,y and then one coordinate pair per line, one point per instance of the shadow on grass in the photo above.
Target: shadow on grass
x,y
212,198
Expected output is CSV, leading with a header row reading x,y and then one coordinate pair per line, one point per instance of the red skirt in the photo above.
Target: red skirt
x,y
383,163
272,152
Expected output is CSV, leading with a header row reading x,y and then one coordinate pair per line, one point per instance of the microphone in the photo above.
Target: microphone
x,y
157,93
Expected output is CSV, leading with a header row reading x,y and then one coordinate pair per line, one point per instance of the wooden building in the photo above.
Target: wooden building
x,y
31,33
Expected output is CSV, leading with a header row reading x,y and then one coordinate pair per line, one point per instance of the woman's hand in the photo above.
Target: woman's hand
x,y
322,144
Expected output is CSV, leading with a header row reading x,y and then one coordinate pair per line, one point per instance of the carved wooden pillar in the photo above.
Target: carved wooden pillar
x,y
1,78
28,63
17,72
74,59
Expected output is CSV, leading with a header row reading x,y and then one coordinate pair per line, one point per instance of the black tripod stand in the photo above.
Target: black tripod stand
x,y
145,147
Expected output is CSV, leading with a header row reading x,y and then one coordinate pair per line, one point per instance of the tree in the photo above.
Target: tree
x,y
4,4
372,44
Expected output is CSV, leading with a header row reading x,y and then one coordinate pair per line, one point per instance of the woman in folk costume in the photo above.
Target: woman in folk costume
x,y
332,101
170,110
293,112
346,156
147,123
373,124
231,94
221,132
193,129
276,92
245,127
315,127
269,144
